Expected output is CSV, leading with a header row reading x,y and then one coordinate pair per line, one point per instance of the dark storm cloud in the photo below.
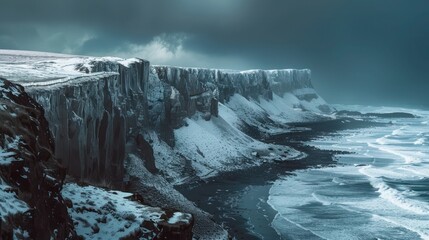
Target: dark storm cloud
x,y
360,51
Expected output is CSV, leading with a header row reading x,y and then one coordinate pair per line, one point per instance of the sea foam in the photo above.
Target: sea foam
x,y
380,188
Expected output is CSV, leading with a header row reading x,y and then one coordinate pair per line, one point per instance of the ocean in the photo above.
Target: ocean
x,y
378,190
363,177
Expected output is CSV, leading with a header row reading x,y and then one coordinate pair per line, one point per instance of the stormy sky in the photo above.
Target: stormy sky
x,y
360,51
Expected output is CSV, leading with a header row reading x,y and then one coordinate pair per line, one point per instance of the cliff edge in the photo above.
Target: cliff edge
x,y
110,116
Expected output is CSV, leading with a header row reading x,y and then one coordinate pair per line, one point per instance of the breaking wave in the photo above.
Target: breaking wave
x,y
379,192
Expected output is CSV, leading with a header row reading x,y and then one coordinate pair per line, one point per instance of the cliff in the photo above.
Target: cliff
x,y
110,116
92,116
199,90
36,204
99,108
31,204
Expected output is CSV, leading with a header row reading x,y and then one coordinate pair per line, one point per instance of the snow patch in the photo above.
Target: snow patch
x,y
103,214
180,217
6,155
9,202
129,61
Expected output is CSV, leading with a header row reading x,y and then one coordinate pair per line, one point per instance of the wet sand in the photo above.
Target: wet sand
x,y
238,200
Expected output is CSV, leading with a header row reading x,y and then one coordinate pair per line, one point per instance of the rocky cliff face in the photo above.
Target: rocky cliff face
x,y
191,90
32,187
98,107
198,88
179,122
31,205
94,115
198,85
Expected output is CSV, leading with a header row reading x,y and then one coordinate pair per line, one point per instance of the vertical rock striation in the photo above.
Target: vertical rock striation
x,y
92,117
100,108
191,90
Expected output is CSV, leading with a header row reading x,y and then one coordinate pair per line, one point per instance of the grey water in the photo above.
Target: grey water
x,y
361,180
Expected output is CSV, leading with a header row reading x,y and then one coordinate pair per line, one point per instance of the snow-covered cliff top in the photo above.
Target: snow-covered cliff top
x,y
234,71
43,69
32,68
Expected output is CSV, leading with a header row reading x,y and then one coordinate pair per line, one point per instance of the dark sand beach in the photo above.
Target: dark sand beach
x,y
238,200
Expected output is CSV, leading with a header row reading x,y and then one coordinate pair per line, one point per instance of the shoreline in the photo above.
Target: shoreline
x,y
238,200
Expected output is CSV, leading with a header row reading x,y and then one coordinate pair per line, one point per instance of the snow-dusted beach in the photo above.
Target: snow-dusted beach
x,y
342,189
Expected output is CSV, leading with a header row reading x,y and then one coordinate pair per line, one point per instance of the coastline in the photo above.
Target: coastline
x,y
238,200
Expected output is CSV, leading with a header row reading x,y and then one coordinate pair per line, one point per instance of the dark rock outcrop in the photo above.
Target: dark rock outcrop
x,y
146,153
30,170
93,118
179,230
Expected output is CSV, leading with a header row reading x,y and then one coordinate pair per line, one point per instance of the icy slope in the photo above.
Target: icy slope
x,y
205,148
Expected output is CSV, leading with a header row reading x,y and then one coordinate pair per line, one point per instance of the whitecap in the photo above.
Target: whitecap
x,y
407,157
397,131
338,181
419,141
382,140
414,227
395,197
321,199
